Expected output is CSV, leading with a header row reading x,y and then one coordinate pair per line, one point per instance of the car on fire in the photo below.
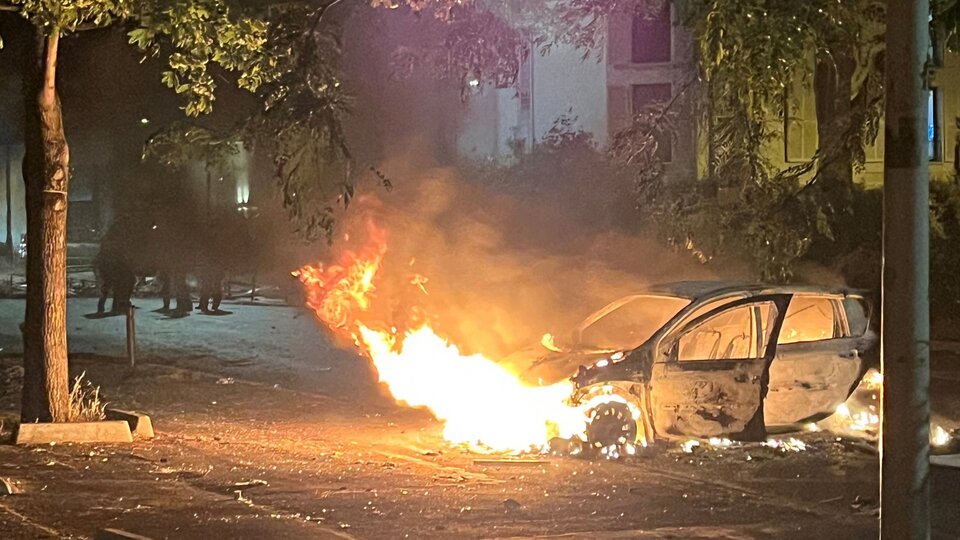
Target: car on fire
x,y
710,359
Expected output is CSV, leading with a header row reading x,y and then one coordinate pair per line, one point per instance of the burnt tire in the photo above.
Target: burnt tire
x,y
611,424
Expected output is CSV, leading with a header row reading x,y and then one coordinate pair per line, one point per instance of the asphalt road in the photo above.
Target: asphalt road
x,y
287,436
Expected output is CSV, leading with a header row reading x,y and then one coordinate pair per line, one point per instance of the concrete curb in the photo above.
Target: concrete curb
x,y
140,424
78,432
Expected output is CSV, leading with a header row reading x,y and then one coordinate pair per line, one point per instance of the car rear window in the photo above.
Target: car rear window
x,y
856,315
809,318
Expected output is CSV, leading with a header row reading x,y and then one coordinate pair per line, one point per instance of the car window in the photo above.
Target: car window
x,y
739,333
809,318
631,324
709,306
856,315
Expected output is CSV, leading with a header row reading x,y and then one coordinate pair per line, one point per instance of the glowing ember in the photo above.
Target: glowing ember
x,y
939,436
480,402
688,446
789,445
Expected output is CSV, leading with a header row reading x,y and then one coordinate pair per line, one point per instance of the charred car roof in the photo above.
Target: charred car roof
x,y
694,290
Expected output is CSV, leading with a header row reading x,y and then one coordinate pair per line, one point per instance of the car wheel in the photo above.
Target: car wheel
x,y
611,425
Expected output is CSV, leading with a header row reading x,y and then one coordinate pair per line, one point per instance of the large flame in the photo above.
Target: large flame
x,y
481,403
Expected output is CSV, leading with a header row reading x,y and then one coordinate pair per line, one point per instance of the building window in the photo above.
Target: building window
x,y
934,131
647,94
800,138
652,37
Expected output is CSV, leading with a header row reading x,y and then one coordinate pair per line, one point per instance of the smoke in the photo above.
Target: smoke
x,y
493,272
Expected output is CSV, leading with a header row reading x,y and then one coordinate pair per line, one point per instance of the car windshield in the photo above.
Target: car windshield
x,y
627,323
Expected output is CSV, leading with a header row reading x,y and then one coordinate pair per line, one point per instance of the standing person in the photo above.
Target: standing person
x,y
181,290
166,287
211,290
116,277
114,270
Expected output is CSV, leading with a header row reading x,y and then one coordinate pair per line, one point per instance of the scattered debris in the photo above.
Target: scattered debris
x,y
118,534
512,505
226,380
250,484
238,496
6,487
565,447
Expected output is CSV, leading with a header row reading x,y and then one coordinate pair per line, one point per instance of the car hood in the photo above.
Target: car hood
x,y
540,366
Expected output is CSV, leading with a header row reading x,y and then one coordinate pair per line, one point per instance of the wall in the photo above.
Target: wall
x,y
623,74
496,123
799,142
566,84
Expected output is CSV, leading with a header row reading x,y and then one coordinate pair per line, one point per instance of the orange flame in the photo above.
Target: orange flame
x,y
481,403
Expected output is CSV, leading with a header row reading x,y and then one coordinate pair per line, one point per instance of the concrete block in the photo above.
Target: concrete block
x,y
118,534
108,431
140,424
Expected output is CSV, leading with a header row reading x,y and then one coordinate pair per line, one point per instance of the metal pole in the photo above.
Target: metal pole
x,y
9,239
131,336
905,445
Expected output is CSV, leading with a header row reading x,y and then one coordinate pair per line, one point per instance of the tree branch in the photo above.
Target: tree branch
x,y
8,7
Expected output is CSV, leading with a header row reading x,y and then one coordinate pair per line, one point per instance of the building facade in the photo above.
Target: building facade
x,y
650,60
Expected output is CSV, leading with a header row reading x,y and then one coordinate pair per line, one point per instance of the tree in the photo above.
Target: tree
x,y
277,50
200,32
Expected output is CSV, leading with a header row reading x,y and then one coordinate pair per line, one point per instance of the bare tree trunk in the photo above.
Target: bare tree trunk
x,y
905,349
46,171
832,80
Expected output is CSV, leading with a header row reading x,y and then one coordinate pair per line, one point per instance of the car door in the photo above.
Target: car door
x,y
711,373
818,360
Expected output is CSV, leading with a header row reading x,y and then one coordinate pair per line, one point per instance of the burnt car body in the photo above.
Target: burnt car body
x,y
713,359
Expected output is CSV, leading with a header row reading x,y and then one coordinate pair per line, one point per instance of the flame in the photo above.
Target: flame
x,y
481,403
860,415
548,343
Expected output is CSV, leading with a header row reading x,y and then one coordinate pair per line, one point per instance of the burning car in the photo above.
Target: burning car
x,y
710,359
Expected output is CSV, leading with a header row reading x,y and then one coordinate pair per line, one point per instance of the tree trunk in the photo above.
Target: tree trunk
x,y
832,81
46,171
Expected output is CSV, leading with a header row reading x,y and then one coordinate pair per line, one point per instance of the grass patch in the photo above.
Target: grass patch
x,y
85,402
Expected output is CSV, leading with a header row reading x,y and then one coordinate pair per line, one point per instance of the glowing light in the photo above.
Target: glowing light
x,y
717,442
939,436
474,83
688,446
790,445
